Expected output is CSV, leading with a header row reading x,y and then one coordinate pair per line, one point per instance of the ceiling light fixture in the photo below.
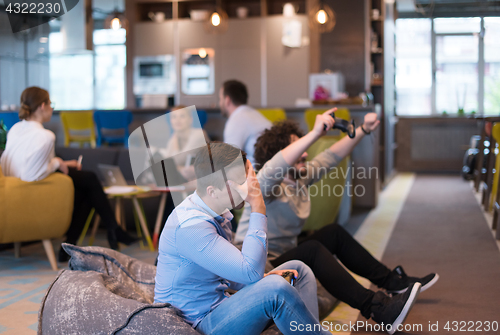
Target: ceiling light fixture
x,y
217,22
322,18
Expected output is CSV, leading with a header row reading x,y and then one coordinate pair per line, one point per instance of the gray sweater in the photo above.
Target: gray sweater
x,y
287,202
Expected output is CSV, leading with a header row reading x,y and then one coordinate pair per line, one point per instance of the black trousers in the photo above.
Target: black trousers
x,y
88,194
318,251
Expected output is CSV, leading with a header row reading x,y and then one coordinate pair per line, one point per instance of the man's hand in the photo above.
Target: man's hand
x,y
322,120
280,273
371,123
254,195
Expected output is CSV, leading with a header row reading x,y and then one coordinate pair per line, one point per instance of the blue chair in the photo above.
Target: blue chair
x,y
112,120
9,119
202,115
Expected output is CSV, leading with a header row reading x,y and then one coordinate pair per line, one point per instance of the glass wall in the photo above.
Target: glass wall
x,y
110,62
413,66
492,65
453,87
71,76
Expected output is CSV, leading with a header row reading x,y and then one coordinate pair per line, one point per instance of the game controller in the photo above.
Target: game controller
x,y
289,276
344,126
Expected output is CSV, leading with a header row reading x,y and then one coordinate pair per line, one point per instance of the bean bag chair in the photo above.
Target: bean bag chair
x,y
107,292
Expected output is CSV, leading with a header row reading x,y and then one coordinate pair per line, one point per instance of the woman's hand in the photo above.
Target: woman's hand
x,y
280,273
370,123
62,166
73,164
323,120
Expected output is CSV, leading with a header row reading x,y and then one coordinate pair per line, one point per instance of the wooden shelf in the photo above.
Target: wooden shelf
x,y
275,7
145,7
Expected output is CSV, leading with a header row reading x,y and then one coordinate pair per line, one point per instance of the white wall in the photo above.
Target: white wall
x,y
250,51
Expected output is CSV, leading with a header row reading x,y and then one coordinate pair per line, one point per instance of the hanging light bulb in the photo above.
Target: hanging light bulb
x,y
321,16
116,21
202,53
217,22
116,24
215,19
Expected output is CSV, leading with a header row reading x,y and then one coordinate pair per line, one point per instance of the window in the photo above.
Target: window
x,y
110,62
413,66
71,79
456,73
87,80
455,57
492,65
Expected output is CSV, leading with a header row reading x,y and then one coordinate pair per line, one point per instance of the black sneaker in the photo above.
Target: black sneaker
x,y
390,312
399,281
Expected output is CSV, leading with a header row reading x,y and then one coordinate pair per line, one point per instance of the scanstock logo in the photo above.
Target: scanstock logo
x,y
26,14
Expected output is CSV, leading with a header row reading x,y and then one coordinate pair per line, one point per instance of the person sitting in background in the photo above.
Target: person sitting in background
x,y
29,155
183,140
244,124
197,261
284,178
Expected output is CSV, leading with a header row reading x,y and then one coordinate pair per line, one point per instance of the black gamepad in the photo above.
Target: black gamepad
x,y
289,276
344,126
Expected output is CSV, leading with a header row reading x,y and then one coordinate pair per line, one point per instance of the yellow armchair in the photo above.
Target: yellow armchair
x,y
39,210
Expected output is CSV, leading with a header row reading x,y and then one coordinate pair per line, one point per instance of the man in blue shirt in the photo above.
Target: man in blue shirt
x,y
197,261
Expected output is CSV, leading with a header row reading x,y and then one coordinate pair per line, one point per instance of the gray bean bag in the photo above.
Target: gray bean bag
x,y
107,292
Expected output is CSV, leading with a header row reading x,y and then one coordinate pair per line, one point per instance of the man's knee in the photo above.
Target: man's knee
x,y
276,286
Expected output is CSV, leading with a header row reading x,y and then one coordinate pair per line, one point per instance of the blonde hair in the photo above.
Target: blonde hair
x,y
31,99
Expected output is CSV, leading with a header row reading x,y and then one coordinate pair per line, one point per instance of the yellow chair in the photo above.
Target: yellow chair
x,y
32,211
310,115
273,114
78,122
326,194
495,132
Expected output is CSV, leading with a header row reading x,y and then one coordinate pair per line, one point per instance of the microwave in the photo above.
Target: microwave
x,y
154,75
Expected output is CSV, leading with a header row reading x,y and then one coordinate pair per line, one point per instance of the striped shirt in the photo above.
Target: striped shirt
x,y
197,261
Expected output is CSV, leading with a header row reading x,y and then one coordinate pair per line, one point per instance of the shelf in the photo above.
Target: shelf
x,y
145,7
275,7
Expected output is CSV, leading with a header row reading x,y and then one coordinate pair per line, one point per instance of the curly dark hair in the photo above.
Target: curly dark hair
x,y
273,140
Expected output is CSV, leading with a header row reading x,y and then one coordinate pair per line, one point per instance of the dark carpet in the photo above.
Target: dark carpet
x,y
442,229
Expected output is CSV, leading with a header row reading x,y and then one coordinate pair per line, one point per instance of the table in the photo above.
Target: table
x,y
135,193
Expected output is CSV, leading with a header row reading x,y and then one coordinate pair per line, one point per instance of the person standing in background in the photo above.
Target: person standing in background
x,y
244,124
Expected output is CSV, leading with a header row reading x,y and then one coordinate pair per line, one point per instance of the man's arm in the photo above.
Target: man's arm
x,y
202,244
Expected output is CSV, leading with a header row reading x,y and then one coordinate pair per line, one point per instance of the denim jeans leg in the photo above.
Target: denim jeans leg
x,y
248,312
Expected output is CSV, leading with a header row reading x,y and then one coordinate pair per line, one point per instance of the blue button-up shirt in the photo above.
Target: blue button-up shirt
x,y
197,261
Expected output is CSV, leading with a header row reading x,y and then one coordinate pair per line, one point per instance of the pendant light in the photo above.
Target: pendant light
x,y
322,18
217,22
116,20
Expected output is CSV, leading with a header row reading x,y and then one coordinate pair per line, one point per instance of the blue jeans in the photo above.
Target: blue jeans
x,y
250,310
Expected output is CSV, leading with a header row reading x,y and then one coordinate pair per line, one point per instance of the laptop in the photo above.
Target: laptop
x,y
112,175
